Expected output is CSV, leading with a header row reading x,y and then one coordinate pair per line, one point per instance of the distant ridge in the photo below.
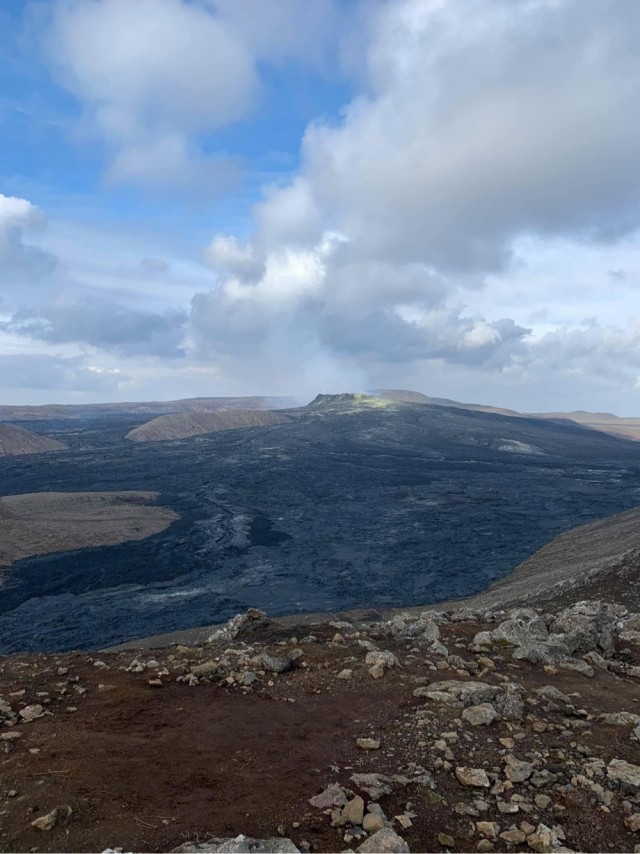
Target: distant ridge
x,y
603,422
14,441
145,407
181,425
406,396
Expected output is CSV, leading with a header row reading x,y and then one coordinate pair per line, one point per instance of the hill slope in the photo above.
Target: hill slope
x,y
181,425
144,407
14,441
603,422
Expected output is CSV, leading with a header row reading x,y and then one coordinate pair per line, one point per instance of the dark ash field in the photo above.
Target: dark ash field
x,y
351,504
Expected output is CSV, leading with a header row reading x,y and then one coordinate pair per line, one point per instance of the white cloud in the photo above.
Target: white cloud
x,y
228,255
151,74
19,217
479,124
154,76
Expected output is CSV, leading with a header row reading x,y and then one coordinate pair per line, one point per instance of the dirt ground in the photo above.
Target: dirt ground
x,y
46,522
148,766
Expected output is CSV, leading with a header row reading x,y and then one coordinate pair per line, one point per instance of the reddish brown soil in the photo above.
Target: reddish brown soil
x,y
148,768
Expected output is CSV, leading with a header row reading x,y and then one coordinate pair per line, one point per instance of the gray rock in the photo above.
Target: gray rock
x,y
587,626
384,841
624,773
375,785
620,719
516,770
483,639
30,713
46,822
381,658
480,715
544,839
353,810
577,665
542,652
508,702
457,693
368,743
523,627
472,777
372,823
276,665
240,845
207,668
332,796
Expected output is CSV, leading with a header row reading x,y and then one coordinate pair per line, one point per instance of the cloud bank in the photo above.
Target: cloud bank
x,y
408,245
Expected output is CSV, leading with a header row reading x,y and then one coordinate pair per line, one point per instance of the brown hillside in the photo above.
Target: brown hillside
x,y
181,425
15,441
47,522
605,422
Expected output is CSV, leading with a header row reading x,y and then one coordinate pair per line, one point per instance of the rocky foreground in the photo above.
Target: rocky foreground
x,y
461,731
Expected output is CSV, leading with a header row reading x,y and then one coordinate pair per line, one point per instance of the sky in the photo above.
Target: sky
x,y
232,197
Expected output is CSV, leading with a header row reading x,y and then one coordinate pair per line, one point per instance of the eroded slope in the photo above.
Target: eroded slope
x,y
14,441
181,425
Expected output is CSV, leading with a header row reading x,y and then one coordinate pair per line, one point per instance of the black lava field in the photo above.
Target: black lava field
x,y
346,506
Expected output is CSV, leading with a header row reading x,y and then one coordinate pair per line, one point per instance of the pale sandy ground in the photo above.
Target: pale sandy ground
x,y
45,522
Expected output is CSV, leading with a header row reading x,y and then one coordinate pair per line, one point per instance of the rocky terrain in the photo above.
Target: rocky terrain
x,y
350,503
15,441
456,730
181,425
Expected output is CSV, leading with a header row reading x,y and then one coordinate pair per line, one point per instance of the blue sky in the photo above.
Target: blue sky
x,y
271,196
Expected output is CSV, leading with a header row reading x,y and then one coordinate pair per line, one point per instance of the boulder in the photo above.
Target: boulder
x,y
457,693
384,841
240,845
375,785
523,627
480,715
332,796
625,774
475,777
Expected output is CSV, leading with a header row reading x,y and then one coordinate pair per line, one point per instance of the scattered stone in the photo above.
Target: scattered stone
x,y
353,811
374,785
517,771
624,773
472,777
633,822
368,743
240,845
544,839
385,841
372,823
207,668
332,796
46,822
276,665
380,660
480,715
515,836
30,713
488,829
446,840
345,674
